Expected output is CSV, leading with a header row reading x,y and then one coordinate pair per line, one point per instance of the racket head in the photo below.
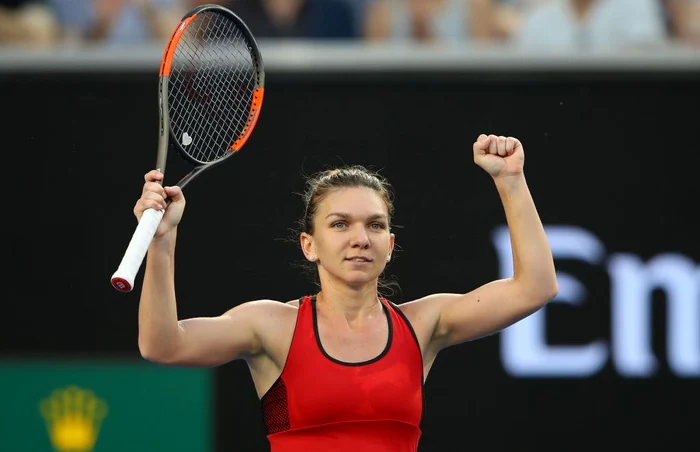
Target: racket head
x,y
212,85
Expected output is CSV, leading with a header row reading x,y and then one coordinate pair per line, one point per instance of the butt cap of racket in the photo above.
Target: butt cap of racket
x,y
123,279
121,284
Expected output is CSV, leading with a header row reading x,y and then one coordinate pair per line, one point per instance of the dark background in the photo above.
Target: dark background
x,y
615,153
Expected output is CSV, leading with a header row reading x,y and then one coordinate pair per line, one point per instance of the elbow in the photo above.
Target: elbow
x,y
547,286
541,293
553,292
148,353
538,286
161,347
548,291
155,354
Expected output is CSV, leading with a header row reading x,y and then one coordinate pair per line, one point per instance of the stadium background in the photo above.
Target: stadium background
x,y
611,158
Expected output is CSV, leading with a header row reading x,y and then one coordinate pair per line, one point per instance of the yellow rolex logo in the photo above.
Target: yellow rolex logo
x,y
73,417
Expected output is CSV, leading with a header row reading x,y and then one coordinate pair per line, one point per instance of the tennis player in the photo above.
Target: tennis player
x,y
343,369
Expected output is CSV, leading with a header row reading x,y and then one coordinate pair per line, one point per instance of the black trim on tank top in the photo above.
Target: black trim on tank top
x,y
291,344
422,374
361,363
408,324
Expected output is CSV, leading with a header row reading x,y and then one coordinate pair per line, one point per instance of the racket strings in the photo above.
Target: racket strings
x,y
212,82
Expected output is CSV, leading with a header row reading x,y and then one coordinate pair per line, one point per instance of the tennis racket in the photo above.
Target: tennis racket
x,y
210,92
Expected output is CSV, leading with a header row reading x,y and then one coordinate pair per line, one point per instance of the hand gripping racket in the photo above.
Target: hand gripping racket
x,y
210,93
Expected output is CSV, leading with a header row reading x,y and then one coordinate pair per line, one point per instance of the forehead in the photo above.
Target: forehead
x,y
355,201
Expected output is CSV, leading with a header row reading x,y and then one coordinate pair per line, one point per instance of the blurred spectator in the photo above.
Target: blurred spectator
x,y
683,20
509,16
592,25
302,19
27,22
359,8
119,21
430,20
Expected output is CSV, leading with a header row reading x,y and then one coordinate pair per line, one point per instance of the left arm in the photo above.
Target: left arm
x,y
498,304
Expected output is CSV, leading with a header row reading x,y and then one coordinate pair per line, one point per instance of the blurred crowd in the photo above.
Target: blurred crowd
x,y
541,25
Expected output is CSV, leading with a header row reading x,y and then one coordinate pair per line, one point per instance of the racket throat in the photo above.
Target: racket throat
x,y
192,175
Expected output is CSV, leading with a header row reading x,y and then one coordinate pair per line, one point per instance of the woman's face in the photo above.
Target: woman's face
x,y
351,240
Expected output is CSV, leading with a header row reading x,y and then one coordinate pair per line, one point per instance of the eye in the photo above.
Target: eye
x,y
377,226
338,225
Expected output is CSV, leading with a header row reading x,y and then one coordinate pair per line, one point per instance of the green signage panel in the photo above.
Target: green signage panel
x,y
104,406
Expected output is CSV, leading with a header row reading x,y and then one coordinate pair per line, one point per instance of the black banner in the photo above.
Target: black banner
x,y
612,162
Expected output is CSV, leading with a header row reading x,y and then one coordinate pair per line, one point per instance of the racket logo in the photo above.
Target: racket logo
x,y
186,139
121,284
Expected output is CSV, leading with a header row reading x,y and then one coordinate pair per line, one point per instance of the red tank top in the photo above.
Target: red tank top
x,y
321,404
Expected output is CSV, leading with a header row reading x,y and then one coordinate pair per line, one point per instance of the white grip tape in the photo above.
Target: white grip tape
x,y
123,278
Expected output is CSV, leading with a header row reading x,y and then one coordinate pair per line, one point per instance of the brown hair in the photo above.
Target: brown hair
x,y
321,184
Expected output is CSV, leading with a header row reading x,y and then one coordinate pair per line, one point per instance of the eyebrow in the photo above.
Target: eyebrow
x,y
376,216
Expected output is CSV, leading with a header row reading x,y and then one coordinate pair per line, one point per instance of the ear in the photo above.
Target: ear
x,y
392,241
307,247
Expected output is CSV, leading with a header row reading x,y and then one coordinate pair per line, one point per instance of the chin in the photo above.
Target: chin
x,y
359,278
354,277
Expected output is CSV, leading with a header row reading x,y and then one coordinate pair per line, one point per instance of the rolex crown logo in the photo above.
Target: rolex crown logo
x,y
73,417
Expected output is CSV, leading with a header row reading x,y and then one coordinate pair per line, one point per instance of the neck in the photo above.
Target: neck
x,y
350,303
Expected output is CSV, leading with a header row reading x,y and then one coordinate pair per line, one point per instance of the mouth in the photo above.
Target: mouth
x,y
358,259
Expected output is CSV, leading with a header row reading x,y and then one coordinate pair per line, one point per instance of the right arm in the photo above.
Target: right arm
x,y
192,342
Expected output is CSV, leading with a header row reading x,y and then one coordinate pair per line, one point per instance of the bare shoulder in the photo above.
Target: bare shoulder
x,y
425,308
424,314
293,303
265,309
271,321
273,325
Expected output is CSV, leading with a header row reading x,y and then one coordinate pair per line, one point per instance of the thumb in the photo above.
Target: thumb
x,y
174,193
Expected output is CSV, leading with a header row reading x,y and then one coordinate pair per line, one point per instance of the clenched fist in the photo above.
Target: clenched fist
x,y
499,156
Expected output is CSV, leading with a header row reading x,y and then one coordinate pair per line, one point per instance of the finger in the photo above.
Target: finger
x,y
153,187
153,176
516,144
482,143
493,145
150,198
149,201
501,146
510,145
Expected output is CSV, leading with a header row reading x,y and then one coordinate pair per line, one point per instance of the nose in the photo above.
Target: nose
x,y
359,238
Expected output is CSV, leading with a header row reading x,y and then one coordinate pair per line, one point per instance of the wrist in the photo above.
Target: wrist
x,y
509,181
164,243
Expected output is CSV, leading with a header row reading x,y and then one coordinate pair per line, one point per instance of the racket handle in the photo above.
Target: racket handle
x,y
123,278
